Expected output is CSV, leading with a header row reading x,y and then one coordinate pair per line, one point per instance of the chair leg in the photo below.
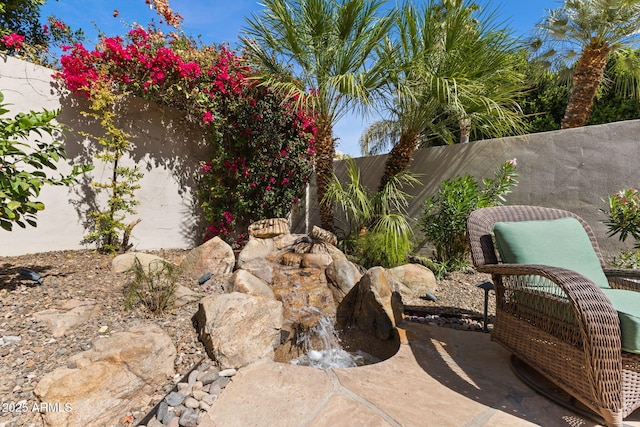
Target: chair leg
x,y
611,419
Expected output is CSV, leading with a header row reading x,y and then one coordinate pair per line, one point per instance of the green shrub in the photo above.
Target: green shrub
x,y
444,218
623,219
23,167
153,286
378,230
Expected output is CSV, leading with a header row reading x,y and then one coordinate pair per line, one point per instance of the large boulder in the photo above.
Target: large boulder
x,y
238,329
125,262
342,276
68,315
415,280
101,385
214,256
255,249
373,306
245,282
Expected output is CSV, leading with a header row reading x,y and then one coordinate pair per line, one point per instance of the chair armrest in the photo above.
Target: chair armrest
x,y
596,318
623,278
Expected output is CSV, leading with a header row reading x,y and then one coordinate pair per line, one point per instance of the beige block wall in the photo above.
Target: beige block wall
x,y
167,149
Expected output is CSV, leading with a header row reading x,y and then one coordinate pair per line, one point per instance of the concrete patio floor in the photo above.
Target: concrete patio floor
x,y
439,377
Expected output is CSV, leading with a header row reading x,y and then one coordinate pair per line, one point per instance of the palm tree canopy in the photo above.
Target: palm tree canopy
x,y
448,61
328,44
585,34
588,24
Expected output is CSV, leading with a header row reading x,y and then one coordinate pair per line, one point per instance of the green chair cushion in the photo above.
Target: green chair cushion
x,y
627,304
558,243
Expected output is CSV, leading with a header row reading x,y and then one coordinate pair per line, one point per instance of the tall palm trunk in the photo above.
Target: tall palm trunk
x,y
324,170
586,79
399,157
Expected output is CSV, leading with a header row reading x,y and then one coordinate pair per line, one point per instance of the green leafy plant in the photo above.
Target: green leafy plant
x,y
378,229
153,286
111,233
23,167
623,219
624,215
444,218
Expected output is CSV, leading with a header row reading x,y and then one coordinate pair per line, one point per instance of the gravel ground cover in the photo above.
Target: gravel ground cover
x,y
28,350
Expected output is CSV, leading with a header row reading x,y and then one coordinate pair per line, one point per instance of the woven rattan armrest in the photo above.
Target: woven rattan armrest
x,y
596,317
623,279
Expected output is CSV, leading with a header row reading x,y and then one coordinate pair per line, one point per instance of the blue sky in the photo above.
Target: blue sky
x,y
222,21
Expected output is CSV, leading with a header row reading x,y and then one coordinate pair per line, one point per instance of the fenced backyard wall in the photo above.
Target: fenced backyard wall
x,y
570,169
574,169
167,150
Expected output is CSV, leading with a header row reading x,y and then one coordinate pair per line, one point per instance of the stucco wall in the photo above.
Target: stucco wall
x,y
572,169
167,150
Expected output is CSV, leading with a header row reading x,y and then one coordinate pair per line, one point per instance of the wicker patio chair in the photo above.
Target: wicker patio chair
x,y
557,321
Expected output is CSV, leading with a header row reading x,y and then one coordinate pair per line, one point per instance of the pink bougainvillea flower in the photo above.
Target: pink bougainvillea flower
x,y
12,40
207,117
60,25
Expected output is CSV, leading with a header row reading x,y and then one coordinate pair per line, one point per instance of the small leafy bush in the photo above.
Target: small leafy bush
x,y
23,168
444,218
153,286
623,219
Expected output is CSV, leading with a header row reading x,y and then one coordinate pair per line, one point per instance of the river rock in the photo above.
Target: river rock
x,y
214,256
118,374
416,280
238,329
67,316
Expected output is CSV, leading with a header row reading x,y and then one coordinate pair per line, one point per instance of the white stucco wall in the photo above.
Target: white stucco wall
x,y
167,149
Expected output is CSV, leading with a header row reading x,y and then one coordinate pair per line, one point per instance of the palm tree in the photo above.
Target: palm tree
x,y
328,44
591,31
449,72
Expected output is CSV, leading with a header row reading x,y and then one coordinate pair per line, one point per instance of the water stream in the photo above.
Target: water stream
x,y
322,349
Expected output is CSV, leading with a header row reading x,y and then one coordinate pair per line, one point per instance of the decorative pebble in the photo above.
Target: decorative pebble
x,y
193,376
228,372
209,377
222,382
154,423
163,407
208,399
191,402
175,398
199,394
11,339
189,418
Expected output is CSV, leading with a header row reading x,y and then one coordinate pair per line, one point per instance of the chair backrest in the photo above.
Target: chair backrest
x,y
481,221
